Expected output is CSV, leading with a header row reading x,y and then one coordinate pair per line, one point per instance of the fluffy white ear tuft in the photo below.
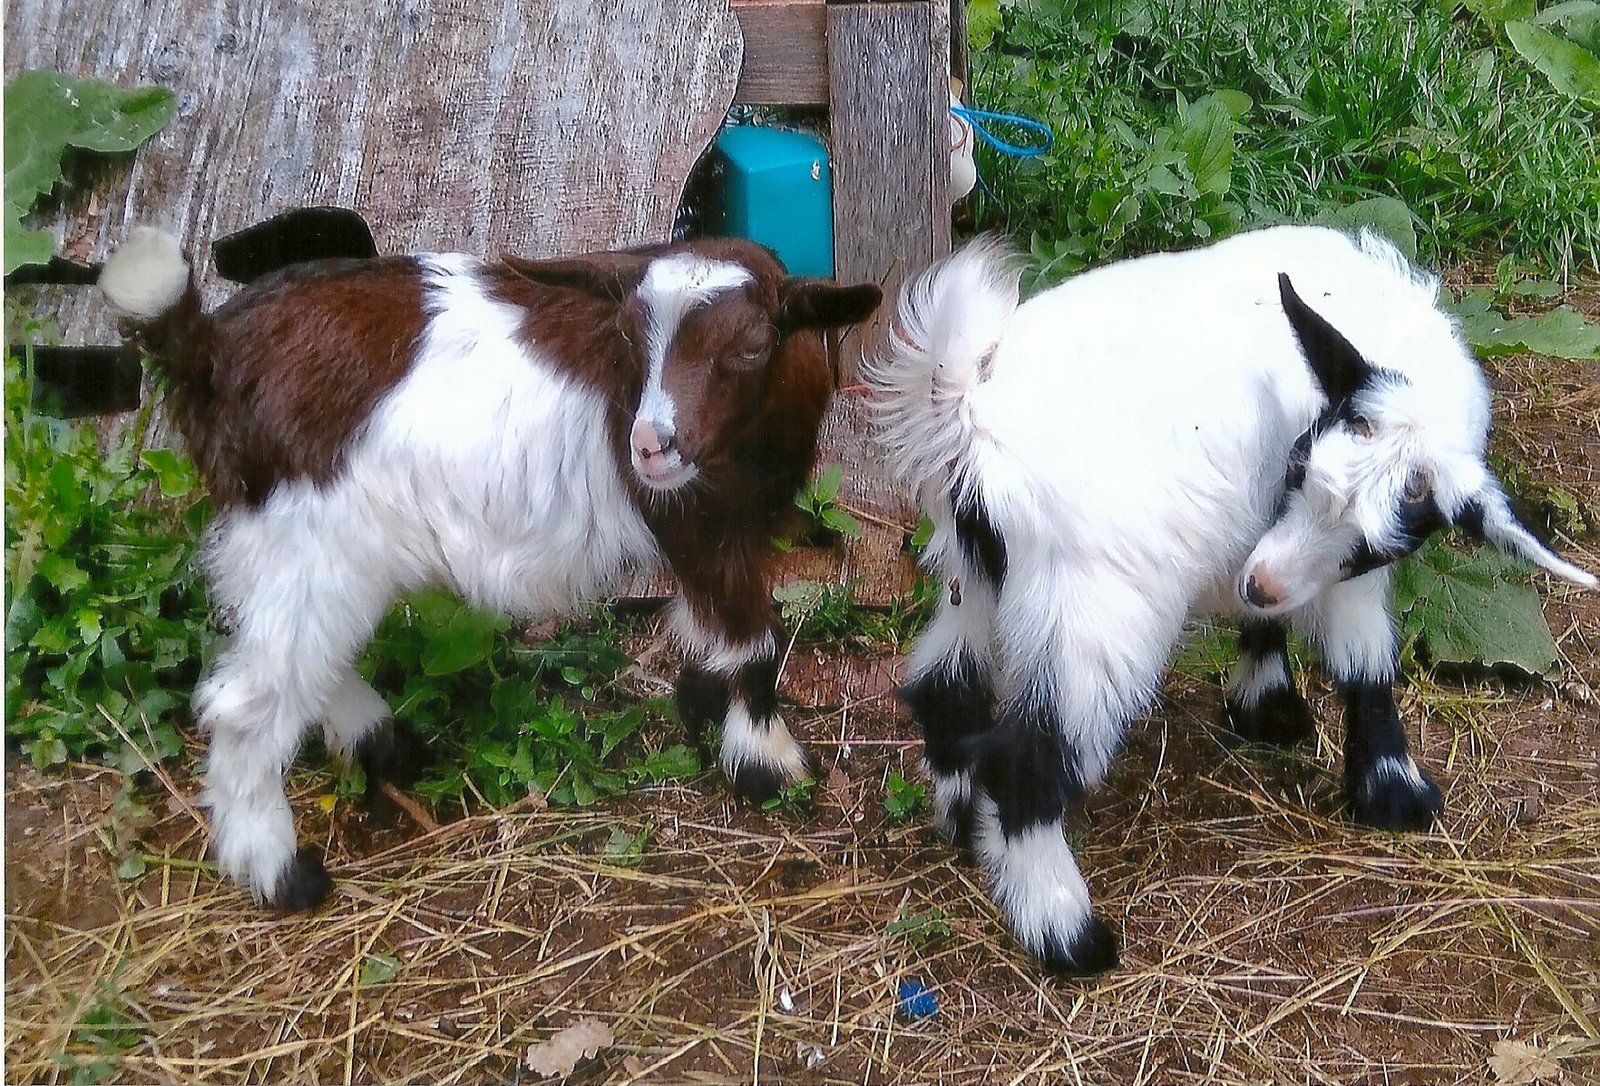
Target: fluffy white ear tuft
x,y
1497,522
147,275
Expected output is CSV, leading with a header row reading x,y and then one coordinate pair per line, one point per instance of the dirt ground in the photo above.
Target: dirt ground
x,y
1265,939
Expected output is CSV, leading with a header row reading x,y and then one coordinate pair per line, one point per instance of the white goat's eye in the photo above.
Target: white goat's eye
x,y
1361,427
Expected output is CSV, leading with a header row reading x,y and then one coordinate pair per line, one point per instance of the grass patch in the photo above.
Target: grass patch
x,y
1177,122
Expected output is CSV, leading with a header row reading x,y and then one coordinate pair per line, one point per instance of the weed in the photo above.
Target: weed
x,y
902,798
106,623
796,800
1178,121
824,518
919,928
105,1031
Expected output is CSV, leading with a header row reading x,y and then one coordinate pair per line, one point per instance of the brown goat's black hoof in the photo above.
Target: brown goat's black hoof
x,y
1093,949
758,783
304,886
391,752
1280,717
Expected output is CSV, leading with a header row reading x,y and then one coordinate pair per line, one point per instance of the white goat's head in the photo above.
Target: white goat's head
x,y
1393,457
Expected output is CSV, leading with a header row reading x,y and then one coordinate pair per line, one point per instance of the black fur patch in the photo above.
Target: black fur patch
x,y
1092,950
305,885
391,752
702,699
1280,717
1025,768
1373,731
757,684
981,541
951,703
1417,519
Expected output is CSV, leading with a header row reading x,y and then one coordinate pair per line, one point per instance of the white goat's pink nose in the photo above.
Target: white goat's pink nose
x,y
648,442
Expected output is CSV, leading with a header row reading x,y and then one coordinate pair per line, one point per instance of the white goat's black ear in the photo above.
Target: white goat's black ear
x,y
1338,366
1491,517
605,275
817,303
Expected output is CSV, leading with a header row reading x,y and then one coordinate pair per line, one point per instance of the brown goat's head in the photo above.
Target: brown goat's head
x,y
707,320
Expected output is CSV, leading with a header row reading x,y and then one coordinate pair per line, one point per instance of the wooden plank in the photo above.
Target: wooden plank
x,y
785,52
890,87
534,126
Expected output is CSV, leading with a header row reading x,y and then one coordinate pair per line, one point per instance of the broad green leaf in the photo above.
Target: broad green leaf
x,y
828,484
983,19
63,573
378,969
839,521
1500,11
467,639
1467,611
1570,67
1578,19
45,108
24,246
1561,333
1384,215
175,476
1206,140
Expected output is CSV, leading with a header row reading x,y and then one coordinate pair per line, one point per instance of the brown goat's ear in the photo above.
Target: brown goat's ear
x,y
817,303
605,275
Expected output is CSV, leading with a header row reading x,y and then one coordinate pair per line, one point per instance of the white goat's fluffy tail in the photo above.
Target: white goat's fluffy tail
x,y
946,324
147,276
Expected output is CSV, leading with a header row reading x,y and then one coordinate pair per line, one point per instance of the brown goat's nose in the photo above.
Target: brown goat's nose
x,y
648,441
1262,590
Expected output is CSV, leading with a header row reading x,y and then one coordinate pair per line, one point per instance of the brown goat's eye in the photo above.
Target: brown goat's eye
x,y
1361,427
753,347
1418,487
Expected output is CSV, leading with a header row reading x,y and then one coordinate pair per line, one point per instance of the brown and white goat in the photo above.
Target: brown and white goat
x,y
523,432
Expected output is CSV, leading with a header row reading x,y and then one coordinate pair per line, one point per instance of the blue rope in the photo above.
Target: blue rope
x,y
976,117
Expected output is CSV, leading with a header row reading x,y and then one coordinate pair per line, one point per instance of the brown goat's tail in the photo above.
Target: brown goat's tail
x,y
150,282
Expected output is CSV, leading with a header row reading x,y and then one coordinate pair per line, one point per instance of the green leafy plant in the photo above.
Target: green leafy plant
x,y
920,927
506,716
106,623
795,800
1178,121
105,1031
902,798
816,500
1472,607
48,112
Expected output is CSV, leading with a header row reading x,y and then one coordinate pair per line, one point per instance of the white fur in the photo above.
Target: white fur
x,y
480,471
1256,676
766,743
1127,433
671,287
147,275
1034,878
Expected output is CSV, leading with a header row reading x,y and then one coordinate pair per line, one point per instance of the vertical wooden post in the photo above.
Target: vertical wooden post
x,y
889,89
889,84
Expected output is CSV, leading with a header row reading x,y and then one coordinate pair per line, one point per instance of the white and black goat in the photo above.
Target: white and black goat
x,y
523,432
1260,426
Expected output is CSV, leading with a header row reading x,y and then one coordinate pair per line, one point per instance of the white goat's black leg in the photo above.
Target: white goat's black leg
x,y
736,683
950,693
1026,778
1351,624
1262,704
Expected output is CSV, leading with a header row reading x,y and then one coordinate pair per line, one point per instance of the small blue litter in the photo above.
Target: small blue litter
x,y
917,1000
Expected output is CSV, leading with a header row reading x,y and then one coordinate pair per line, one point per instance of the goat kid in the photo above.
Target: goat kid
x,y
1261,426
523,432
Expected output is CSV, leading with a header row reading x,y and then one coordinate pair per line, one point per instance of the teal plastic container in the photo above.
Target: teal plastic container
x,y
778,190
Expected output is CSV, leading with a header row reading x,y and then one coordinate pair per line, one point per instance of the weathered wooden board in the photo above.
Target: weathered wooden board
x,y
890,61
785,52
534,126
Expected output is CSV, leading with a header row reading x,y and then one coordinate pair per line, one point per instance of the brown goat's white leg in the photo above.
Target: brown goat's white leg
x,y
733,681
256,706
